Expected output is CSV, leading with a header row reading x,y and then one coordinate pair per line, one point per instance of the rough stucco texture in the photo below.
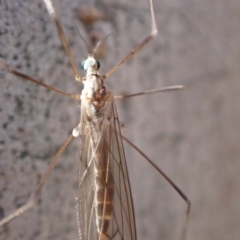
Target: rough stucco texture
x,y
193,134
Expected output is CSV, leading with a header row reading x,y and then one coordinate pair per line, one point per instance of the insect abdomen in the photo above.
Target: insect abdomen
x,y
104,199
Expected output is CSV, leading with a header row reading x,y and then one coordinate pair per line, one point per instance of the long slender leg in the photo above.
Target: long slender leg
x,y
31,79
177,189
38,190
152,34
61,34
164,89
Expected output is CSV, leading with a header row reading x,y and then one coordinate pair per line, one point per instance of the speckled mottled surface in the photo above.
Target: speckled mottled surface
x,y
193,135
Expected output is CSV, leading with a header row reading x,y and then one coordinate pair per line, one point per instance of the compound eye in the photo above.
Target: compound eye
x,y
98,64
82,64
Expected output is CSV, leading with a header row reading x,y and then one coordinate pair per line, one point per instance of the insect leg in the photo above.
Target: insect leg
x,y
152,34
38,190
177,189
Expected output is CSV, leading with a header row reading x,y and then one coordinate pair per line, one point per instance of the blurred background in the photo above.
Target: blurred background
x,y
193,135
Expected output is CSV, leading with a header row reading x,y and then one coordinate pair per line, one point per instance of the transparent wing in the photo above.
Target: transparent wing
x,y
104,200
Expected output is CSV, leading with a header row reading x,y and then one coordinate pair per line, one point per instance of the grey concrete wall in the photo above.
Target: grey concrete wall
x,y
193,134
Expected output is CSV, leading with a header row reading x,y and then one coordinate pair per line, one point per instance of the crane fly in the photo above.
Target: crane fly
x,y
104,206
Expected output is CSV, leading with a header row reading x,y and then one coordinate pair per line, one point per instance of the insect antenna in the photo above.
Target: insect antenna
x,y
80,35
99,43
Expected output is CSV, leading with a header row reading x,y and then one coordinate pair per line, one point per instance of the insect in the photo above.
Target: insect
x,y
104,200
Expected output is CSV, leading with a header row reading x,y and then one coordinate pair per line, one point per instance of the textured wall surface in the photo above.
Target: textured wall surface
x,y
193,134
